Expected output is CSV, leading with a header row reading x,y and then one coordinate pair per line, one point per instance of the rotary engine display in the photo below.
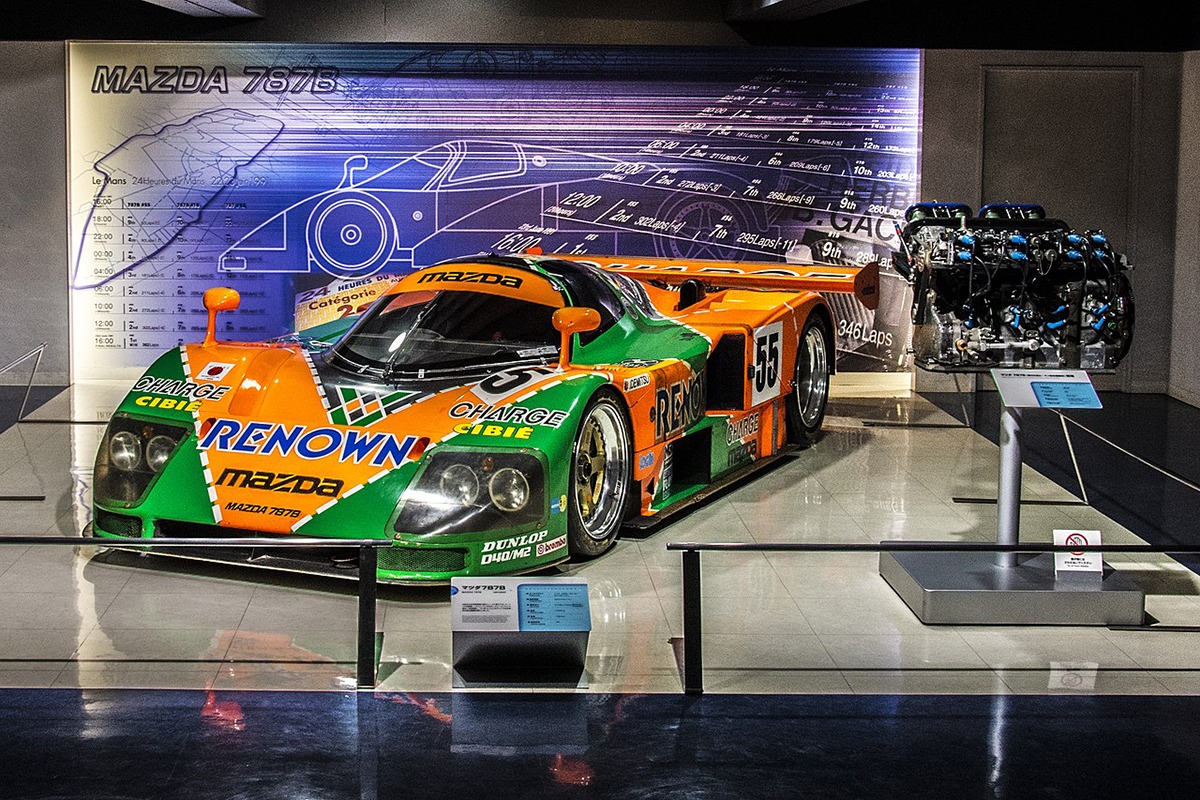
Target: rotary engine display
x,y
1012,288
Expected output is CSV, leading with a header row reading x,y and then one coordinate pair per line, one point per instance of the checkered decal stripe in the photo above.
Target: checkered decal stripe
x,y
363,407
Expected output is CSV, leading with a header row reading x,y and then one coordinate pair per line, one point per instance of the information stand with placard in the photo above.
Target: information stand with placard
x,y
1063,388
1002,589
529,631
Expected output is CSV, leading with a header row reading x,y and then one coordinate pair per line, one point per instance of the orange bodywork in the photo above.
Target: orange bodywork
x,y
693,365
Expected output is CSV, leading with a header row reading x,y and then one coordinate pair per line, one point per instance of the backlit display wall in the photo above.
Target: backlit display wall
x,y
283,169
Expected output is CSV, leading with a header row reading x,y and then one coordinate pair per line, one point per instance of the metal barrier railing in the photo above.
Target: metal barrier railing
x,y
36,355
693,652
1159,469
368,588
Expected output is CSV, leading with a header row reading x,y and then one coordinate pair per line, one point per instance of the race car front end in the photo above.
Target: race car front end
x,y
468,506
453,468
471,496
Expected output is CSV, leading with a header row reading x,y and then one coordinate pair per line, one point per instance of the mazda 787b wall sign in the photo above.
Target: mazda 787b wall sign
x,y
486,415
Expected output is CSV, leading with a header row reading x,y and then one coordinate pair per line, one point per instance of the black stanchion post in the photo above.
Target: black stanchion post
x,y
367,563
693,653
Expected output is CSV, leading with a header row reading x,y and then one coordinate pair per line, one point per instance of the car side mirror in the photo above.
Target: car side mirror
x,y
218,299
569,320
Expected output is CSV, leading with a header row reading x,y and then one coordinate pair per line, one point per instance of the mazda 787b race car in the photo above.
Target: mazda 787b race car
x,y
487,415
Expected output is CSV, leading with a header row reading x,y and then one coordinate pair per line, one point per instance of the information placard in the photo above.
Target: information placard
x,y
519,604
553,607
1051,394
1078,564
1046,388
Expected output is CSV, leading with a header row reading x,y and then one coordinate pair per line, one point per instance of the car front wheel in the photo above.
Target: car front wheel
x,y
601,462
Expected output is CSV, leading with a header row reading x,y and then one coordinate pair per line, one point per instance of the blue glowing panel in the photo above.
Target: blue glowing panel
x,y
277,169
1065,395
554,607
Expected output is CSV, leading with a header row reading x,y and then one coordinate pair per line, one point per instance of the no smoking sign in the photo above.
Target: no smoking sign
x,y
1077,564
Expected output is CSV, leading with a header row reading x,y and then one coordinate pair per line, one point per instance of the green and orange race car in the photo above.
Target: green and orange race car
x,y
487,415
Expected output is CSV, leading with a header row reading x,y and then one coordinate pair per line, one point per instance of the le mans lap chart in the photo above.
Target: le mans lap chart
x,y
280,168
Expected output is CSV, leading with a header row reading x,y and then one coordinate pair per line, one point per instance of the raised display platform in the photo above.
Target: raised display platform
x,y
970,589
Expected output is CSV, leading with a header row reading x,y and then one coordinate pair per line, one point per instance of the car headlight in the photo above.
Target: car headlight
x,y
509,489
448,496
125,451
133,453
459,484
158,452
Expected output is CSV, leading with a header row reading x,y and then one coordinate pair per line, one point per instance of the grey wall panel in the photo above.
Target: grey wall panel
x,y
1092,136
1185,352
1065,138
951,125
33,196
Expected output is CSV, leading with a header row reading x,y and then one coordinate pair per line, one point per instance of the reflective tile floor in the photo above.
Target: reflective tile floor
x,y
155,678
332,745
74,617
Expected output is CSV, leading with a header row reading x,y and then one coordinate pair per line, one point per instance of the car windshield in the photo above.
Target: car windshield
x,y
636,294
434,332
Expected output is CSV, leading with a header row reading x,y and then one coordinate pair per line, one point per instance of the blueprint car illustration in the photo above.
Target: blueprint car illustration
x,y
384,212
485,415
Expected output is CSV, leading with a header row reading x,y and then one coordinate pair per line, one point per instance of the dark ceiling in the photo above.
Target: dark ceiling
x,y
994,24
986,24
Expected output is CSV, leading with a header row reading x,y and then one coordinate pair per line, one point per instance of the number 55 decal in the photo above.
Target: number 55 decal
x,y
500,385
767,362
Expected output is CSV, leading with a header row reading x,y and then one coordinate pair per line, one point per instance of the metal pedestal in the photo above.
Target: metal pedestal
x,y
971,589
1004,588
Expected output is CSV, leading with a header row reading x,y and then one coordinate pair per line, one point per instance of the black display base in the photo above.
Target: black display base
x,y
530,659
970,589
485,678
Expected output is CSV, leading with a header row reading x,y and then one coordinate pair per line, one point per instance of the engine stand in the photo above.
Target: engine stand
x,y
1002,588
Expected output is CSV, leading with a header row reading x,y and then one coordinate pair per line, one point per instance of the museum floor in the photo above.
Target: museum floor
x,y
114,743
268,659
796,623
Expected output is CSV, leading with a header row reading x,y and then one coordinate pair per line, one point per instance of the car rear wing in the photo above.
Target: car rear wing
x,y
862,282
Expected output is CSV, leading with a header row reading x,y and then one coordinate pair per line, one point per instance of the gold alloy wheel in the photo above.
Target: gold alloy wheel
x,y
601,470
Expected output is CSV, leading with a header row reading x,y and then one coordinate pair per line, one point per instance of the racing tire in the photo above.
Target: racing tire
x,y
601,477
810,384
